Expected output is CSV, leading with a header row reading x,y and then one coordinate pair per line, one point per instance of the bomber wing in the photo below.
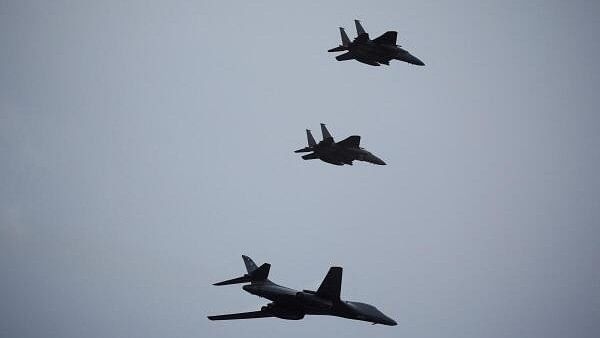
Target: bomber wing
x,y
241,315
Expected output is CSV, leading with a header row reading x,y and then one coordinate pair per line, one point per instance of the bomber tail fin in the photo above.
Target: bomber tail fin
x,y
255,274
250,265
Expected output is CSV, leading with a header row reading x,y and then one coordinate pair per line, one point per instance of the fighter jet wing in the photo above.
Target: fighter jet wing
x,y
387,38
350,142
241,315
345,56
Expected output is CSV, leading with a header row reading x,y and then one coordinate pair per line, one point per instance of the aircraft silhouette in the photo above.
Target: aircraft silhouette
x,y
294,305
338,153
380,50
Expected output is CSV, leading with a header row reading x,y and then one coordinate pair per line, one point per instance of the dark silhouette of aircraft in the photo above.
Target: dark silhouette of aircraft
x,y
294,305
374,52
338,153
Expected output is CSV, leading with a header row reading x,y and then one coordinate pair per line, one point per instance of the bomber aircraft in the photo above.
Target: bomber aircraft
x,y
338,153
294,305
380,50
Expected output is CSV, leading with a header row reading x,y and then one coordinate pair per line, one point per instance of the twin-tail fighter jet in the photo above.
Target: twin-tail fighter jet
x,y
294,305
374,52
338,153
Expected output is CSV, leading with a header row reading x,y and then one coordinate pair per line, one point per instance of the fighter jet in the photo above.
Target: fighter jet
x,y
338,153
373,52
294,305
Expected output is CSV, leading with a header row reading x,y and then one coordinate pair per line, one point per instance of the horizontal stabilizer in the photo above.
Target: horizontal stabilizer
x,y
254,274
304,150
238,280
241,315
338,49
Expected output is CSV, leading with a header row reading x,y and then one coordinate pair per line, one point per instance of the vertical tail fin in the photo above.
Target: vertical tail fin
x,y
359,28
345,39
250,265
310,138
261,273
256,273
325,132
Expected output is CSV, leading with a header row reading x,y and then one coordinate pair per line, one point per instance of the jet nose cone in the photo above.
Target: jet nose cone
x,y
377,160
415,61
392,323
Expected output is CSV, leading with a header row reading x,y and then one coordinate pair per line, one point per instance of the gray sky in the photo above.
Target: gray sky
x,y
146,145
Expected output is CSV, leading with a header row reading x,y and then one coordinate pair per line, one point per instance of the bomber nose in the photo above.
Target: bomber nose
x,y
388,321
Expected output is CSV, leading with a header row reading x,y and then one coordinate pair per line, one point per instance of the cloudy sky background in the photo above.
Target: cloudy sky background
x,y
144,146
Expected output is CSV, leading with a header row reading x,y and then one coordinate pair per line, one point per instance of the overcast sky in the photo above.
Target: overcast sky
x,y
145,145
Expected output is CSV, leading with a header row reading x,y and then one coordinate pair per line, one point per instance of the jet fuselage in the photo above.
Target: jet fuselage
x,y
373,53
335,154
293,304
